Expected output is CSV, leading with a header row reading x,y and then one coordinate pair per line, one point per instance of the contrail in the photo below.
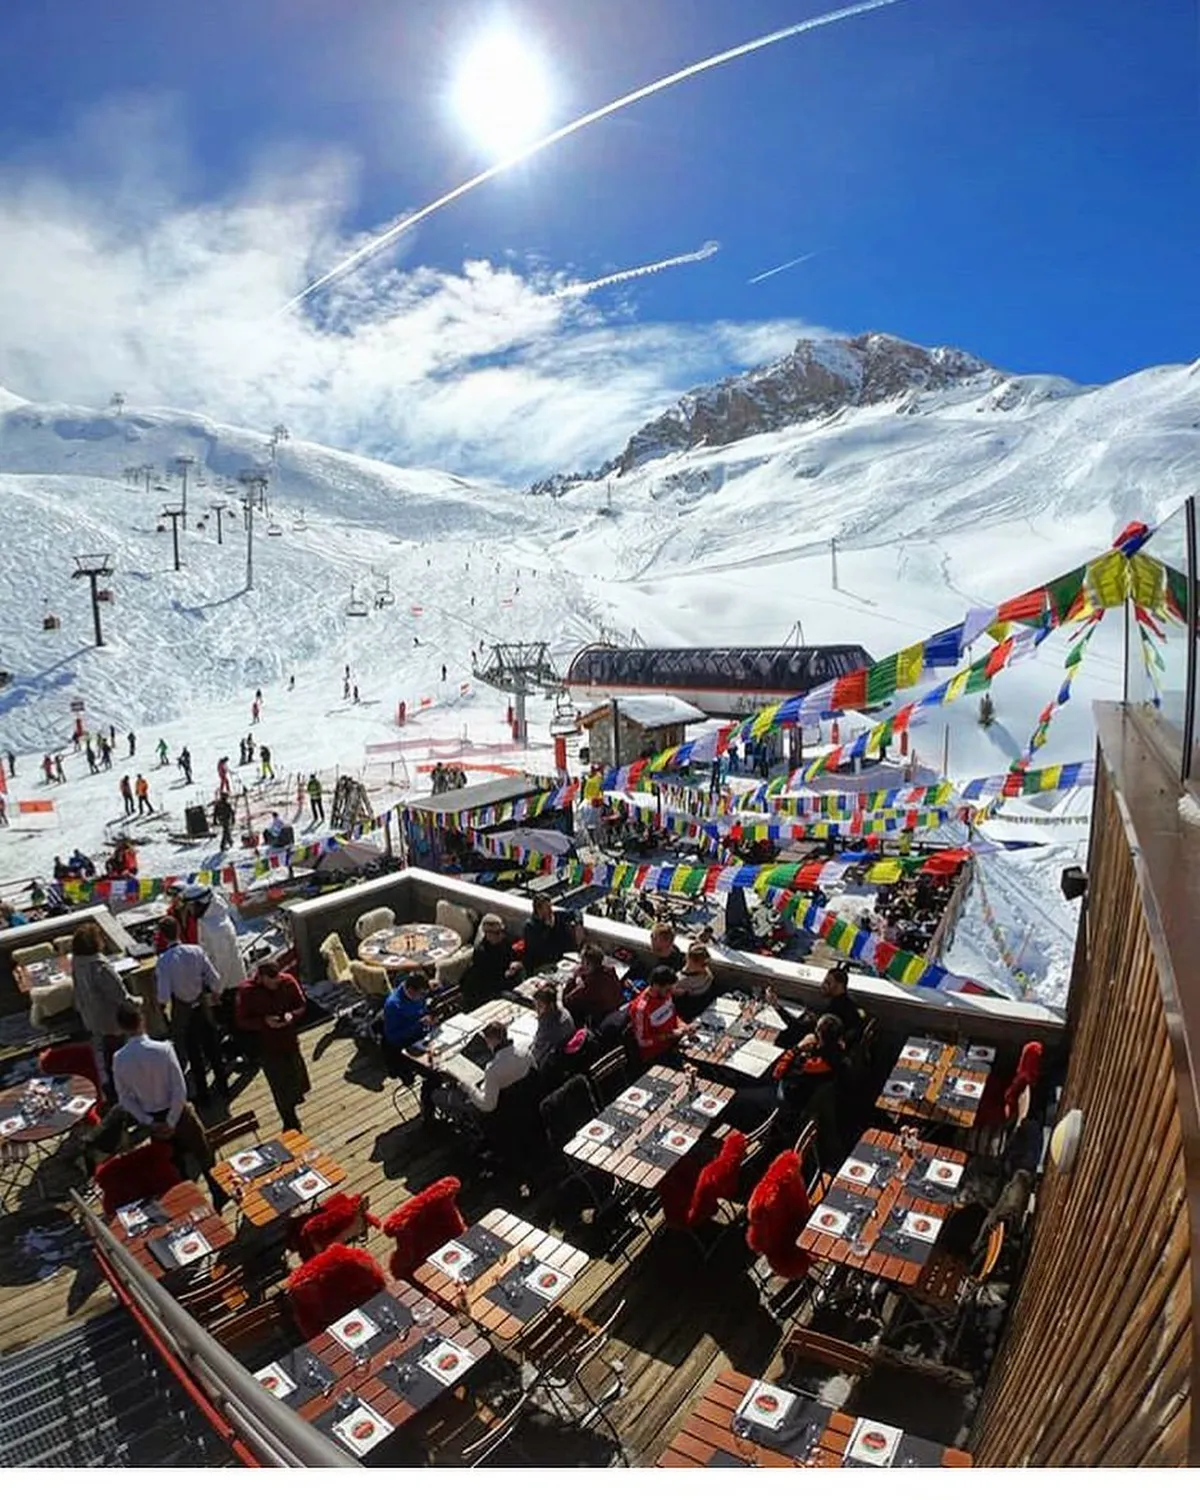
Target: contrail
x,y
775,270
381,241
582,288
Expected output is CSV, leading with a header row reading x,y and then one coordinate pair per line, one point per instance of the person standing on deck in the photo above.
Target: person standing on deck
x,y
271,1005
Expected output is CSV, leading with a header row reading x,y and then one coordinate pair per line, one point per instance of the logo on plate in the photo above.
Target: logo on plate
x,y
875,1441
362,1429
829,1219
547,1280
858,1171
189,1247
451,1256
269,1381
448,1361
923,1225
353,1328
944,1172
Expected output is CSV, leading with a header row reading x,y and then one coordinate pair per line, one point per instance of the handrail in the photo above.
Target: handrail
x,y
277,1435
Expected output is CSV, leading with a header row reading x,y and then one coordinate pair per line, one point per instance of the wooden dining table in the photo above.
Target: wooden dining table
x,y
897,1192
482,1298
371,1379
185,1198
736,1034
626,1139
708,1440
922,1083
411,945
248,1191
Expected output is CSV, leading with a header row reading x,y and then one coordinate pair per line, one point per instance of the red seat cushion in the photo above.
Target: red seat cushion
x,y
144,1172
777,1212
329,1285
341,1217
427,1220
718,1179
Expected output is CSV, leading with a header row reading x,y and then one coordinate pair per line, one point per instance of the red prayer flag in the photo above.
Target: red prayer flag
x,y
850,691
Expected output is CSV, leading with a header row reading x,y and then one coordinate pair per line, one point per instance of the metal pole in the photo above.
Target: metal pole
x,y
183,469
833,559
96,610
616,732
946,752
175,536
250,544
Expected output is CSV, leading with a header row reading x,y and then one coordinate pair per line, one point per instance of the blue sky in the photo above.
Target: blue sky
x,y
1017,177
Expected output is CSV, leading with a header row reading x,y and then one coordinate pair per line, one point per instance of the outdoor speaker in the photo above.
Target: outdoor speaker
x,y
1074,882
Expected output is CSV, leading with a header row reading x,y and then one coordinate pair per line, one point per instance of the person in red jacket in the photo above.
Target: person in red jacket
x,y
653,1018
271,1005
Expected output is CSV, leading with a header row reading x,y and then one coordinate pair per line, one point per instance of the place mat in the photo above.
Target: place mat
x,y
163,1249
332,1424
390,1315
270,1154
643,1097
917,1453
798,1420
512,1295
977,1059
140,1215
891,1240
655,1154
878,1156
307,1375
406,1377
917,1084
487,1248
719,1459
950,1095
701,1109
934,1188
283,1196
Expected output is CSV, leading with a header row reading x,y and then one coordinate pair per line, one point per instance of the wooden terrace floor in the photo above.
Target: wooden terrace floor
x,y
684,1321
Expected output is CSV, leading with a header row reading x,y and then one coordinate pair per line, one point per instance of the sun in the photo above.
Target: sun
x,y
501,93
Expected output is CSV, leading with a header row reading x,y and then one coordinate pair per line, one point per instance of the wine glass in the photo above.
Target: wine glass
x,y
423,1312
310,1370
346,1403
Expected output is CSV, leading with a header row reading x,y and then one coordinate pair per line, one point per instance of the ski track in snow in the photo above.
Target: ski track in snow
x,y
975,499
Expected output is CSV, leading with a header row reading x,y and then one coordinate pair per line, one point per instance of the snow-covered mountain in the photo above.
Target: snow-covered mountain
x,y
819,378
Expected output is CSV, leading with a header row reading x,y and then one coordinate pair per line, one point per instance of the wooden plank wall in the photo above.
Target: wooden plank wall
x,y
1096,1366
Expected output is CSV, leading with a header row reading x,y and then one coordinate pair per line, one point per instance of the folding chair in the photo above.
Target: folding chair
x,y
560,1349
228,1130
609,1075
945,1292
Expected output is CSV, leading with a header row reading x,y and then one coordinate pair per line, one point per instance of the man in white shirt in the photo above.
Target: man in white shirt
x,y
185,976
152,1100
460,1099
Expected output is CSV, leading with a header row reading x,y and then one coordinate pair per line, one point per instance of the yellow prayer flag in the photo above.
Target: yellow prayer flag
x,y
999,630
1147,582
913,970
1108,579
886,872
956,685
908,665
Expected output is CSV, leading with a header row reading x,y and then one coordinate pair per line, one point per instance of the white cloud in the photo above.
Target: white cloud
x,y
111,279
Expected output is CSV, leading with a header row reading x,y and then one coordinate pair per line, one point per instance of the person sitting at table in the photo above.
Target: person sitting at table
x,y
493,962
817,1059
593,994
835,988
696,986
152,1100
662,952
459,1100
547,935
405,1021
270,1005
555,1028
99,994
653,1019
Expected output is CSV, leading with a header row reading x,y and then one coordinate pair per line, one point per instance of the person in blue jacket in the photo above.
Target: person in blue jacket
x,y
406,1012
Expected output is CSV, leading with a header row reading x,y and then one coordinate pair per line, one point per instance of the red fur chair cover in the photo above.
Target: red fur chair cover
x,y
691,1194
329,1285
341,1218
74,1057
144,1172
998,1102
777,1212
427,1220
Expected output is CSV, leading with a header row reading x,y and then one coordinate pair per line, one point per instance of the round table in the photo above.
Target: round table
x,y
413,945
53,1122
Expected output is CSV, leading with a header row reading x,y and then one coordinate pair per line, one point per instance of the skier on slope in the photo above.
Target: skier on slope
x,y
91,759
127,797
266,769
223,776
255,711
142,787
185,765
223,818
59,774
161,751
132,744
106,750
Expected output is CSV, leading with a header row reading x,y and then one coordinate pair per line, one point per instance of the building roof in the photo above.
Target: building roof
x,y
650,711
482,794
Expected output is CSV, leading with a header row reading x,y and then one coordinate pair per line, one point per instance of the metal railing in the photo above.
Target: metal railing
x,y
273,1434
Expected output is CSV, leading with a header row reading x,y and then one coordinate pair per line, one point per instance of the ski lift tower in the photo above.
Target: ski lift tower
x,y
518,667
93,565
254,497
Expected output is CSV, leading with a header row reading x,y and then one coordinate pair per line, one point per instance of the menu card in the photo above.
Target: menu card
x,y
766,1404
362,1429
873,1443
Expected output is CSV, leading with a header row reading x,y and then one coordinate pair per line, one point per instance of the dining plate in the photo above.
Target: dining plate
x,y
354,1330
766,1404
275,1378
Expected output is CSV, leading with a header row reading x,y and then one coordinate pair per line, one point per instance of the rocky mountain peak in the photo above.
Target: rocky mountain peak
x,y
818,378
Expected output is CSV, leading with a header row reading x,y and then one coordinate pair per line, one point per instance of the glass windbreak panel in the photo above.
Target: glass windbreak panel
x,y
1156,625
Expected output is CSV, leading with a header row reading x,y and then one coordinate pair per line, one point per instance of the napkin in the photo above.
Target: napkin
x,y
766,1404
362,1429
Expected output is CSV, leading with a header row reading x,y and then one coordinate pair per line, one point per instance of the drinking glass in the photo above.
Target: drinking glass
x,y
346,1403
423,1312
310,1371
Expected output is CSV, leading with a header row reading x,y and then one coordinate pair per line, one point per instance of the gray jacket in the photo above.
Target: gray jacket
x,y
98,992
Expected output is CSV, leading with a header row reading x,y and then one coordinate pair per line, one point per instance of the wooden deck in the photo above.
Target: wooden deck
x,y
683,1323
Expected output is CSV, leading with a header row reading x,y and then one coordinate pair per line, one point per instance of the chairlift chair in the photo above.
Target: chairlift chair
x,y
51,622
104,596
300,524
162,488
357,608
274,529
